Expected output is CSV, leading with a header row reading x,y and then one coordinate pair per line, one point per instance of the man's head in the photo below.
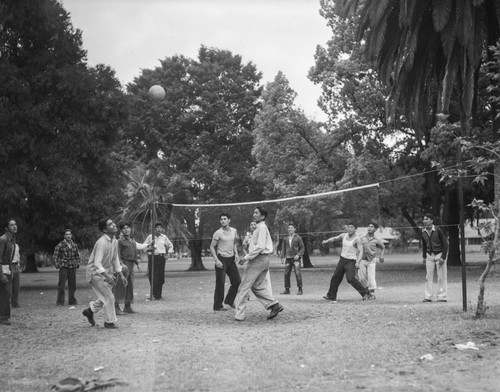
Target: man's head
x,y
125,228
11,226
291,229
428,220
259,214
68,235
372,227
224,219
253,226
159,228
107,226
351,228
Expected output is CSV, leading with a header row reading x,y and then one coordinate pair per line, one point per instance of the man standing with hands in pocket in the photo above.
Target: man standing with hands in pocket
x,y
292,251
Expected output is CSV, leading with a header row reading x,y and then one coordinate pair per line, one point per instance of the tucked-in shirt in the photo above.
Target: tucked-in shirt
x,y
128,249
161,244
261,243
371,246
66,255
105,256
225,241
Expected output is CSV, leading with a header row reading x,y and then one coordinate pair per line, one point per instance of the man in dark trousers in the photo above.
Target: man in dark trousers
x,y
67,261
224,251
7,249
435,251
292,250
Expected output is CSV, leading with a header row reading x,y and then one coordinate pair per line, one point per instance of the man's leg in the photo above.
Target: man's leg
x,y
337,277
288,272
71,286
105,300
5,292
370,270
430,266
160,276
220,280
261,287
235,279
63,277
252,272
442,276
129,290
15,275
298,275
363,272
350,272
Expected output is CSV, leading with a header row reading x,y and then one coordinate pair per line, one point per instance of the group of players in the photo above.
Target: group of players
x,y
110,269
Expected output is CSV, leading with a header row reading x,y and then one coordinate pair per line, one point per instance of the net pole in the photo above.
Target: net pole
x,y
153,223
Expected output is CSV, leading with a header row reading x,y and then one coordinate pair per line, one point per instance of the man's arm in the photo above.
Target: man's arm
x,y
302,248
333,239
169,245
381,246
213,252
424,247
56,256
444,243
361,249
235,246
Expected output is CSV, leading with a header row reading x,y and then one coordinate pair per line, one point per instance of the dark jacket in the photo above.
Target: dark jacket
x,y
7,242
297,247
434,243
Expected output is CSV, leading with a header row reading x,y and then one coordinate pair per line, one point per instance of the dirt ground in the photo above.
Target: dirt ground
x,y
180,344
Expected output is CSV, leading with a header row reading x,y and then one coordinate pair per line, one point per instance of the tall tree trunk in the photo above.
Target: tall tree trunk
x,y
451,220
30,264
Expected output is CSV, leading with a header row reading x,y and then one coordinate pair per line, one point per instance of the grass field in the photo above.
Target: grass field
x,y
180,344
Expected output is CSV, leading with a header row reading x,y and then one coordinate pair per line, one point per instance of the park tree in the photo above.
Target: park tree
x,y
58,120
354,100
201,130
295,157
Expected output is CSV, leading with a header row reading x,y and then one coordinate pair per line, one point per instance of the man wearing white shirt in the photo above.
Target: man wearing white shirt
x,y
257,269
104,257
163,246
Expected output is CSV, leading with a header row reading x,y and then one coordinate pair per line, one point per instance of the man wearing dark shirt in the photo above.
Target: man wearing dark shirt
x,y
435,251
128,255
67,260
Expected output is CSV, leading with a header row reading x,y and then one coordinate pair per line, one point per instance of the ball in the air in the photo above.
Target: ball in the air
x,y
156,92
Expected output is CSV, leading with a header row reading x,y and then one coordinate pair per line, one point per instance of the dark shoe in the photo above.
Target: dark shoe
x,y
368,297
119,311
59,304
128,309
286,291
274,311
220,310
230,305
73,303
159,299
110,325
5,322
90,316
427,300
329,298
442,300
299,292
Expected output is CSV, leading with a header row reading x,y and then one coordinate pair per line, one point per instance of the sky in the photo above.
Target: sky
x,y
275,35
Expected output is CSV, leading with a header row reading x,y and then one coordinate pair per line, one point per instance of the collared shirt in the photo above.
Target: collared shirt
x,y
225,241
371,244
66,255
161,244
105,255
17,257
261,243
128,248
